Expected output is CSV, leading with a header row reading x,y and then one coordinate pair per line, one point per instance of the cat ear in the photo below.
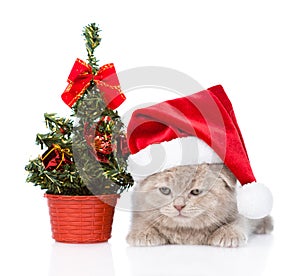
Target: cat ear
x,y
228,177
225,174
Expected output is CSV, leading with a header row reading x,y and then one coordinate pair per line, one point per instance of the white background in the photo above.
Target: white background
x,y
250,47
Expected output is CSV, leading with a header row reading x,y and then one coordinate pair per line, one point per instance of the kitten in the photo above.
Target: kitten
x,y
194,204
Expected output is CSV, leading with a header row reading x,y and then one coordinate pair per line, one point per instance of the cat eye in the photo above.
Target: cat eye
x,y
165,190
196,192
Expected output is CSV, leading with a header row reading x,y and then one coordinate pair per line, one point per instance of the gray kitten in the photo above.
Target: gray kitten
x,y
194,204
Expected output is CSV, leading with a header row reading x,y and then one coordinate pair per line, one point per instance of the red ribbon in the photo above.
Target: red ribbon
x,y
106,80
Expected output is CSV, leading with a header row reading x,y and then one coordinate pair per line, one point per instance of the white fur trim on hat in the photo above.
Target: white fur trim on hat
x,y
254,200
180,151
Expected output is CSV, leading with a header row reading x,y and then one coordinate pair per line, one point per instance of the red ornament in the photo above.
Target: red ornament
x,y
99,142
123,148
62,131
55,157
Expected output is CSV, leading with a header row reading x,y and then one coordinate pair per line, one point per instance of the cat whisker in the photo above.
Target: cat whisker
x,y
155,221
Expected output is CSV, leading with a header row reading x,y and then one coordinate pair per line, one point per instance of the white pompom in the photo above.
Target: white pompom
x,y
254,200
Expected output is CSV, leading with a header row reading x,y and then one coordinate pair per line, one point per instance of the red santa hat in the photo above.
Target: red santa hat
x,y
199,128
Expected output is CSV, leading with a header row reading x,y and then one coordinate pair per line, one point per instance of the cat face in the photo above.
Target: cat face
x,y
188,195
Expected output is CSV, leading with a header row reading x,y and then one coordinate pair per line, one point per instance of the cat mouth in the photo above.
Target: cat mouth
x,y
177,216
181,216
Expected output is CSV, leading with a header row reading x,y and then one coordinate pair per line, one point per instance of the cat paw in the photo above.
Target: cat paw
x,y
227,238
265,226
150,238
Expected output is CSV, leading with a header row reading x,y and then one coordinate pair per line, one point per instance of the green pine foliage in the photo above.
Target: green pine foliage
x,y
65,180
84,173
92,41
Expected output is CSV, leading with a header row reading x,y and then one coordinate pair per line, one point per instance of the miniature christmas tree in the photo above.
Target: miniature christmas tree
x,y
89,156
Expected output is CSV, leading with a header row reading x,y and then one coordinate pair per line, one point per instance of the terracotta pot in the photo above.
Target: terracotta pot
x,y
81,219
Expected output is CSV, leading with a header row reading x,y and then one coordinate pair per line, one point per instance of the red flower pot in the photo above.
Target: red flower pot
x,y
81,219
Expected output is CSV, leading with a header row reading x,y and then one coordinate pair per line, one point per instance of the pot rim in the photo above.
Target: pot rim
x,y
81,197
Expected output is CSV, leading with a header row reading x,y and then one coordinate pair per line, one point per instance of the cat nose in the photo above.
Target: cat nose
x,y
179,207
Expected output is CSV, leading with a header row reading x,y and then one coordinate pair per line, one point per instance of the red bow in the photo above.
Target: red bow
x,y
106,80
